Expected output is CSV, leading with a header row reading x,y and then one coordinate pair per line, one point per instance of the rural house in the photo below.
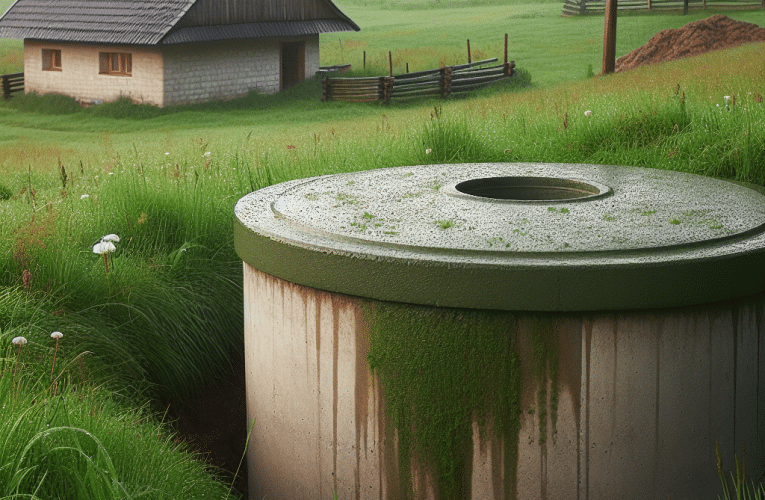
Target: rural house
x,y
169,51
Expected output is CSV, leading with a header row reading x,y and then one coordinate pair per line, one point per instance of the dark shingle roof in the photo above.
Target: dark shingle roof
x,y
256,30
141,22
96,21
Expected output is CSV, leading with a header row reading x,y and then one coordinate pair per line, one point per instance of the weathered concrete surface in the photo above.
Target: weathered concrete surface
x,y
643,397
659,239
658,289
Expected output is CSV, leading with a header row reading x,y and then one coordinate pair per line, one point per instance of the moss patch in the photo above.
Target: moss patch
x,y
439,368
544,341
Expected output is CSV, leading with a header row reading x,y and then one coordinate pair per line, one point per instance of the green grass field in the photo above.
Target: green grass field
x,y
552,48
166,318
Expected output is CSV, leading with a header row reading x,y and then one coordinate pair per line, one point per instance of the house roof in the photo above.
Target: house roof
x,y
145,22
254,30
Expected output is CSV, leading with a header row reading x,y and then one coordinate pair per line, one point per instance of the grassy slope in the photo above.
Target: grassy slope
x,y
564,53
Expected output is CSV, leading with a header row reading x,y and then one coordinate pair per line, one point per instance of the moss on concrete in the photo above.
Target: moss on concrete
x,y
440,367
545,342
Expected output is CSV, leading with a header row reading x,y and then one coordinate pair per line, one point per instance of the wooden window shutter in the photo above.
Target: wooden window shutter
x,y
103,63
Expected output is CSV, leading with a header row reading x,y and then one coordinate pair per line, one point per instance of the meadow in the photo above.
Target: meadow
x,y
159,319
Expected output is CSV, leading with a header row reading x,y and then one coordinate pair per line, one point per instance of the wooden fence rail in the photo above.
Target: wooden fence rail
x,y
434,82
13,82
580,7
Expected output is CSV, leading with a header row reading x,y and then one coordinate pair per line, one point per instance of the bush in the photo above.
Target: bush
x,y
5,192
54,104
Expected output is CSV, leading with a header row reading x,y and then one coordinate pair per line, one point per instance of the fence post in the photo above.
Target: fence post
x,y
6,87
509,68
446,81
609,37
385,88
390,64
505,48
388,88
325,89
470,59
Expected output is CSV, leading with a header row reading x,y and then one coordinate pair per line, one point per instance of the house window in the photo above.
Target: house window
x,y
115,63
51,60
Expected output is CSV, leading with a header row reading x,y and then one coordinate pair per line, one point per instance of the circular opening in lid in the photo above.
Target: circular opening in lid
x,y
532,189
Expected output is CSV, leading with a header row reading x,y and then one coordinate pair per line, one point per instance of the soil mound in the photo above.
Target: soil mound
x,y
698,37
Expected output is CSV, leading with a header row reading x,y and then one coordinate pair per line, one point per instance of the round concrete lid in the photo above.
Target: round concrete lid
x,y
544,237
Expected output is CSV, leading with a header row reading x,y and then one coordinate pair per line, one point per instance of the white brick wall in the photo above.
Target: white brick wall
x,y
221,70
228,69
311,56
79,76
178,74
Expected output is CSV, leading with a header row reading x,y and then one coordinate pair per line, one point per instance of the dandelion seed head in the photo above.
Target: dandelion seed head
x,y
111,237
56,335
19,340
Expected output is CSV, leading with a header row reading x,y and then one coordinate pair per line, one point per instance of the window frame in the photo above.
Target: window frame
x,y
115,63
51,59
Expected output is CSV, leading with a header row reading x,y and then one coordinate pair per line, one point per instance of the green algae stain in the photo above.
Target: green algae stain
x,y
545,342
439,368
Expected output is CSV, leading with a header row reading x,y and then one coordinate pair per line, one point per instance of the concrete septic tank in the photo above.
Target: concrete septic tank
x,y
494,331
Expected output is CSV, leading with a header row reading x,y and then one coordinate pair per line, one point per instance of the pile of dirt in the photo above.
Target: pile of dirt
x,y
698,37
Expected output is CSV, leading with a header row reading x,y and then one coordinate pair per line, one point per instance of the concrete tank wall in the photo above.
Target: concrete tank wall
x,y
642,397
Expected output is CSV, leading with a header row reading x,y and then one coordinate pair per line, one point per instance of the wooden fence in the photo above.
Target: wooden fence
x,y
13,82
580,7
435,82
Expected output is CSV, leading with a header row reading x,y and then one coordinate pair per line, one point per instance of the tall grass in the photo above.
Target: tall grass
x,y
173,290
82,442
736,486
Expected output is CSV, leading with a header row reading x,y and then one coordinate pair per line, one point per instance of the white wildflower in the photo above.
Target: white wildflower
x,y
588,113
56,335
103,247
84,196
19,340
428,151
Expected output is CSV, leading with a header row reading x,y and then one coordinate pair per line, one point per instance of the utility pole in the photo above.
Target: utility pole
x,y
609,38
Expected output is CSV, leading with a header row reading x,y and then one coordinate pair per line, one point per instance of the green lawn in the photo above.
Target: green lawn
x,y
552,48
